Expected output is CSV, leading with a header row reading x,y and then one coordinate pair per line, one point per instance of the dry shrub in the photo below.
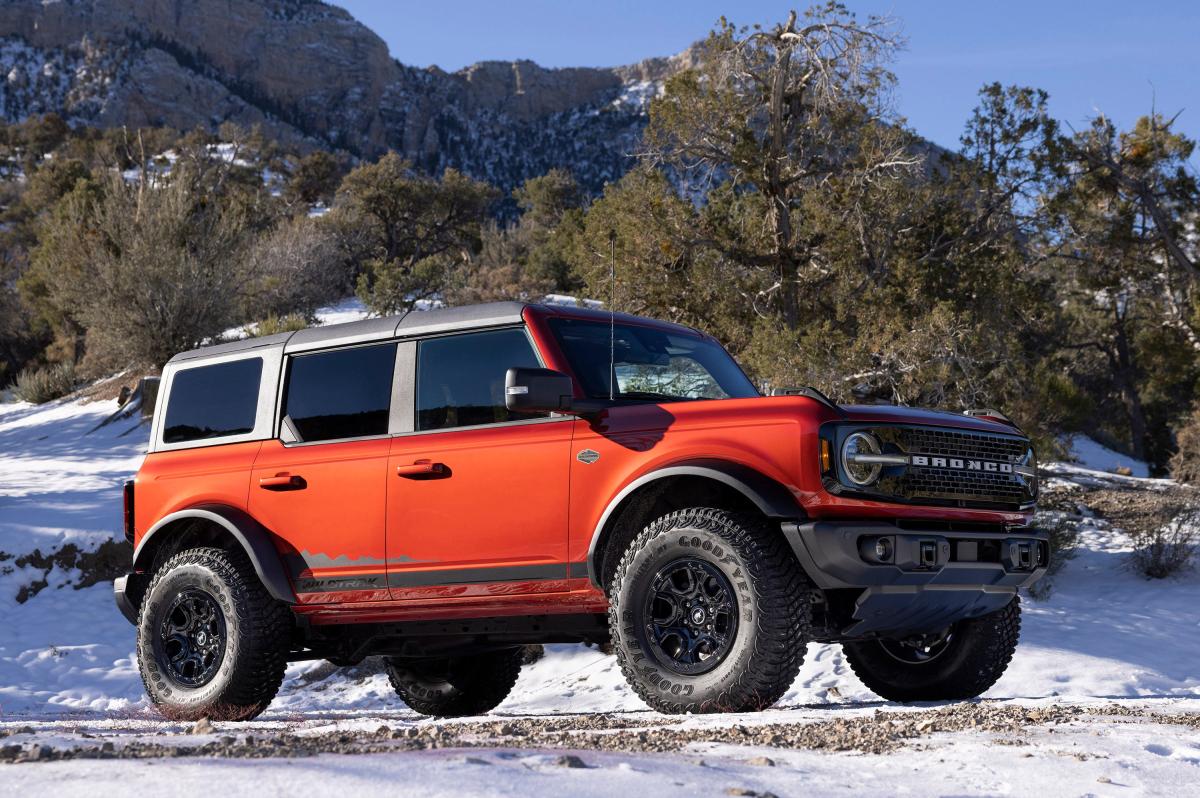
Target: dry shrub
x,y
1168,549
45,384
293,270
1185,463
1162,525
1064,541
1060,516
273,324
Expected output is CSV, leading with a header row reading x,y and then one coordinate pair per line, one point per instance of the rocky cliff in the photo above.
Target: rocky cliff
x,y
311,75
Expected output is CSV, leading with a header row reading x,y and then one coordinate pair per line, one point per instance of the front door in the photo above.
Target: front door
x,y
321,488
477,496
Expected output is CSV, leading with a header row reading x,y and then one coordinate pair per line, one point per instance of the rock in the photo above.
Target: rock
x,y
570,761
202,726
761,761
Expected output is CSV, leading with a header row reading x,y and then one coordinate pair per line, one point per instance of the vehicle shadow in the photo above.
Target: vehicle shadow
x,y
638,428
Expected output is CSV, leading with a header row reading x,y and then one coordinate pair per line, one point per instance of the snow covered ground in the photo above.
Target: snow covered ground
x,y
1113,648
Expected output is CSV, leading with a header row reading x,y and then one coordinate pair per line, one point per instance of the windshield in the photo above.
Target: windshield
x,y
649,364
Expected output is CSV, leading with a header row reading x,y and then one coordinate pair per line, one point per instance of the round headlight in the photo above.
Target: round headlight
x,y
856,445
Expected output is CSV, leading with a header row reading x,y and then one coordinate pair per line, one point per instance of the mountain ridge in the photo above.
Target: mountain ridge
x,y
312,76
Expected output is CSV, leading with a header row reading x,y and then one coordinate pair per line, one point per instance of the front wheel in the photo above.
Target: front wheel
x,y
456,686
955,664
709,612
211,641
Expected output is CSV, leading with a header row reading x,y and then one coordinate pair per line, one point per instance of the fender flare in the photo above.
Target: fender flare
x,y
253,537
770,497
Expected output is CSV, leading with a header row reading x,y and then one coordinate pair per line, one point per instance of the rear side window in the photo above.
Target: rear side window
x,y
460,378
213,401
341,394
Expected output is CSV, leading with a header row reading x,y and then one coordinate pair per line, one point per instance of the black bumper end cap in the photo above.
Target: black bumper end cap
x,y
122,598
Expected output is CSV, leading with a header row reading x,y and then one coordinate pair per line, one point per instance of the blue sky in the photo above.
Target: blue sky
x,y
1118,57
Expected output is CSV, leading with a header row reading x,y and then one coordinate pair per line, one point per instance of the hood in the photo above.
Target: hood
x,y
916,415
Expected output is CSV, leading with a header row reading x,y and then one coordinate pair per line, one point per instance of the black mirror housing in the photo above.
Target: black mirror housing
x,y
529,390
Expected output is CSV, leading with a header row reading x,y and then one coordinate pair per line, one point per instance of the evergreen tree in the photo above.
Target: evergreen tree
x,y
412,231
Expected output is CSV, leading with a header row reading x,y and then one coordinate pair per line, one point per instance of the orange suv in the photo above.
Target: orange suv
x,y
445,487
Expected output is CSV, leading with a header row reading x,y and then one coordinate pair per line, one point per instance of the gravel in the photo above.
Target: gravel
x,y
885,731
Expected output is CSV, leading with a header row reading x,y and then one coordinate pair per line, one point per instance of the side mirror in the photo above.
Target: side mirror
x,y
537,390
529,390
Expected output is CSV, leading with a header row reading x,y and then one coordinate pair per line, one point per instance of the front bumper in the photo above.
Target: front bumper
x,y
930,578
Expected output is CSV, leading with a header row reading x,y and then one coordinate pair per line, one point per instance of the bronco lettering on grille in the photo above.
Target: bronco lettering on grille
x,y
963,465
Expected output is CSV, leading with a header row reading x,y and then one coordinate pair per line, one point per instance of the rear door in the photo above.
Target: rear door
x,y
320,486
477,496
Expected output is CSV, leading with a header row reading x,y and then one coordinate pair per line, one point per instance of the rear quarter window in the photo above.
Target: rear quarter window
x,y
341,394
214,401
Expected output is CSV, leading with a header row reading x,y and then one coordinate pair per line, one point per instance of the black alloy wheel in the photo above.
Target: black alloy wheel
x,y
212,642
691,616
191,639
709,611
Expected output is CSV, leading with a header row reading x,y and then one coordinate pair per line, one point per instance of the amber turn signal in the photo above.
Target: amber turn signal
x,y
826,456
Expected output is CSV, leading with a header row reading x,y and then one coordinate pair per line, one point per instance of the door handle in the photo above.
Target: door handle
x,y
283,482
422,468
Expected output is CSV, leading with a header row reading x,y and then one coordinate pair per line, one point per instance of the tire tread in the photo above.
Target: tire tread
x,y
783,595
265,624
996,635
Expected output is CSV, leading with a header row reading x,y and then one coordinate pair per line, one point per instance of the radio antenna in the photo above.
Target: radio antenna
x,y
612,315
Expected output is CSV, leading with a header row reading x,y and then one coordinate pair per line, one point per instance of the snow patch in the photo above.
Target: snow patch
x,y
1094,456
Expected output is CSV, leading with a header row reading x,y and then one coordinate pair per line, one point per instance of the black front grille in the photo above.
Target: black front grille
x,y
975,486
967,445
949,479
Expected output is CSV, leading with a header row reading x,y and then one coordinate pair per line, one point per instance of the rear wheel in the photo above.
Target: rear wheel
x,y
211,641
456,686
957,663
709,612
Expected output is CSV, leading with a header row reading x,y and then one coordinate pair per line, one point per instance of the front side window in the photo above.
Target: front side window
x,y
214,401
345,393
648,363
460,378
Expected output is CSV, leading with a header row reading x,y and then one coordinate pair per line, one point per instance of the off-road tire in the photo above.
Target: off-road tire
x,y
257,637
773,612
974,659
456,686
